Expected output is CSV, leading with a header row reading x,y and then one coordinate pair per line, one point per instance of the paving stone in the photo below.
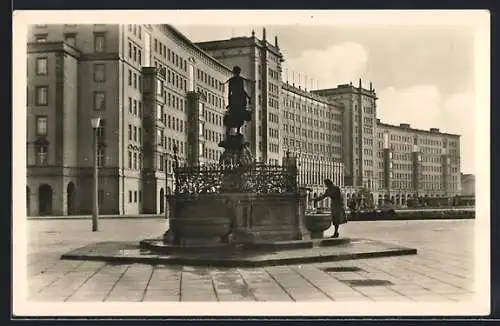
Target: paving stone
x,y
444,265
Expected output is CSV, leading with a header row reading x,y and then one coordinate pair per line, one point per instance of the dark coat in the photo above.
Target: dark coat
x,y
337,210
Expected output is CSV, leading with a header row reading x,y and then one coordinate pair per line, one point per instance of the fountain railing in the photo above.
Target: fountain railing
x,y
256,178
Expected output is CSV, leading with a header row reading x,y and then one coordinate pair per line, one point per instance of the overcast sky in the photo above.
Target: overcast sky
x,y
422,75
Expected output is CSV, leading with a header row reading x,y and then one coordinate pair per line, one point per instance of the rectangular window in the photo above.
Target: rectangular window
x,y
130,77
159,111
41,126
135,133
129,132
41,66
41,38
42,95
70,39
130,50
99,42
130,105
41,154
99,101
129,159
130,196
135,161
135,81
99,72
135,196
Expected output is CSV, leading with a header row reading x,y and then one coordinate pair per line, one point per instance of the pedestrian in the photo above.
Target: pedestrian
x,y
337,211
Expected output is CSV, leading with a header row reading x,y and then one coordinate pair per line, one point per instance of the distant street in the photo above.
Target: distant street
x,y
441,271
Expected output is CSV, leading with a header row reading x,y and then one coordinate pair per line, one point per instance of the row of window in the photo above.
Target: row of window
x,y
322,112
99,40
274,89
274,74
210,80
136,30
137,196
273,117
313,122
134,107
212,117
312,148
135,53
41,155
170,55
273,103
274,133
134,80
135,133
368,162
308,133
134,160
274,148
211,98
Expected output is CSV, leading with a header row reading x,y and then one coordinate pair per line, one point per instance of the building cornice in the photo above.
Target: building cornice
x,y
47,47
406,127
311,96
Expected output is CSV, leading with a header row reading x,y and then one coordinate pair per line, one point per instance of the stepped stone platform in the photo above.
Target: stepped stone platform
x,y
153,251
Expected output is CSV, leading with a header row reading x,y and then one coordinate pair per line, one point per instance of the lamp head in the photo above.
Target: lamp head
x,y
95,122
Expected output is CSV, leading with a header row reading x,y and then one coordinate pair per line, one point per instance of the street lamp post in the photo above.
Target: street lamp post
x,y
95,199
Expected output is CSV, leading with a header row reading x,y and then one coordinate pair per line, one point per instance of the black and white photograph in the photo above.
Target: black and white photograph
x,y
331,163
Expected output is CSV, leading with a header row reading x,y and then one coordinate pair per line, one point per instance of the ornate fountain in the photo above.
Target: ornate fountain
x,y
237,200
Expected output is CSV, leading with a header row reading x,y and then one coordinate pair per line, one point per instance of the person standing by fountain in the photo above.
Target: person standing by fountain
x,y
336,206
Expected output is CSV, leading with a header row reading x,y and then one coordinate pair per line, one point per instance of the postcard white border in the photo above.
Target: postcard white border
x,y
476,19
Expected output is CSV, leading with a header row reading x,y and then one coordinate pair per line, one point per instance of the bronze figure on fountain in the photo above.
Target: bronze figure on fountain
x,y
237,151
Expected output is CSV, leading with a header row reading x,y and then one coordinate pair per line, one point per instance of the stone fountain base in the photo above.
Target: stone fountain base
x,y
154,251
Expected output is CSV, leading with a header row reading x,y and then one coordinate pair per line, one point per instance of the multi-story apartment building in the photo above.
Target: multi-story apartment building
x,y
312,132
416,163
260,61
358,132
152,88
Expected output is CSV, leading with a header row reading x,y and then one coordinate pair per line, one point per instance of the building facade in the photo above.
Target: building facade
x,y
413,163
468,183
312,132
153,90
261,62
358,132
156,91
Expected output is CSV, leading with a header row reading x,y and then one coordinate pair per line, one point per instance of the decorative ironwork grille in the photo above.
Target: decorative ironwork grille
x,y
256,178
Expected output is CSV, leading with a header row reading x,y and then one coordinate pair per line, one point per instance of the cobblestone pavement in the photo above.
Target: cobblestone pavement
x,y
441,271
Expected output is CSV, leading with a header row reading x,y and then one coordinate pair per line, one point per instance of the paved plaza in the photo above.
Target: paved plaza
x,y
441,271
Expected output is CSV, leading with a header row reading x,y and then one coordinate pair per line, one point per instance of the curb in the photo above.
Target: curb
x,y
241,262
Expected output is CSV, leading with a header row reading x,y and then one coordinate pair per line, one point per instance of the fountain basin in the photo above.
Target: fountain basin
x,y
316,224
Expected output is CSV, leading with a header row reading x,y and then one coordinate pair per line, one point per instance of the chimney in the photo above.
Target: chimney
x,y
253,33
378,120
360,83
434,129
404,125
276,41
371,86
264,34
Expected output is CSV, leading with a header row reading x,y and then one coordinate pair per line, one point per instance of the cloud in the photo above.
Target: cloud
x,y
424,107
337,64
